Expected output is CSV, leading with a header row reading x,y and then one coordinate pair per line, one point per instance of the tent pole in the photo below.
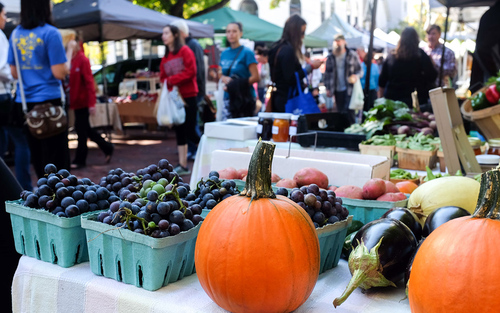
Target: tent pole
x,y
442,52
104,82
368,61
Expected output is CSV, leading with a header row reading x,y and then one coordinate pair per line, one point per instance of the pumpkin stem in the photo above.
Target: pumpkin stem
x,y
366,271
258,183
488,205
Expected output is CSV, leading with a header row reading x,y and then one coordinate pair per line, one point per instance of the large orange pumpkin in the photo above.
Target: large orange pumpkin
x,y
456,267
258,252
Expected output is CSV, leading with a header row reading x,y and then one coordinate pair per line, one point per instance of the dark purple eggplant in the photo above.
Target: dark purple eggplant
x,y
408,218
440,216
380,255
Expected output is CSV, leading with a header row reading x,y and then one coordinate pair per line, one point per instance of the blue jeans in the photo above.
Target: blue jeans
x,y
22,156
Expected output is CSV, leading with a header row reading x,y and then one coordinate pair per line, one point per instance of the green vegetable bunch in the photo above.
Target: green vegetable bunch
x,y
402,174
419,141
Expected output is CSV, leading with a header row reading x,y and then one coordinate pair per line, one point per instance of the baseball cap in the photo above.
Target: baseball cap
x,y
181,25
338,37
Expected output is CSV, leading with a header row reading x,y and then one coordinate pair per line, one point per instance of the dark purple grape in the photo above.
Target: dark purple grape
x,y
211,204
42,201
63,173
77,195
174,229
124,193
67,201
90,196
116,186
313,188
102,204
59,185
164,233
186,225
163,164
197,219
151,207
93,207
57,210
163,224
51,205
61,214
332,219
101,216
86,181
326,207
304,190
183,192
282,191
319,218
156,176
41,181
44,190
188,214
114,206
196,209
82,205
145,215
297,196
176,217
50,168
72,210
31,201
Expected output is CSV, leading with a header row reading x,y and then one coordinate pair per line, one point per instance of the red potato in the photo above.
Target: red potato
x,y
310,175
332,188
349,191
390,186
392,196
373,188
275,178
229,173
287,183
242,172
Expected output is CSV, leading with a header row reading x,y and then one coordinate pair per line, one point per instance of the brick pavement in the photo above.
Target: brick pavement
x,y
135,149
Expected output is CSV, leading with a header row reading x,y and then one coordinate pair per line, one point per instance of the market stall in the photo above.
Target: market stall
x,y
100,118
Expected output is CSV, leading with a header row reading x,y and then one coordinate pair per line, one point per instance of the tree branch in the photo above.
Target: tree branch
x,y
178,8
214,7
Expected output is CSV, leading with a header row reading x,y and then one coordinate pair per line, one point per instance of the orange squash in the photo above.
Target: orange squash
x,y
456,267
258,252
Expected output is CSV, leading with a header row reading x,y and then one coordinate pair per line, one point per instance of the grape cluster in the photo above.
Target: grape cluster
x,y
126,185
210,192
321,205
65,195
158,210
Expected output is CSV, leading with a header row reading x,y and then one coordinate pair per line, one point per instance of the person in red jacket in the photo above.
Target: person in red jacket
x,y
82,100
178,68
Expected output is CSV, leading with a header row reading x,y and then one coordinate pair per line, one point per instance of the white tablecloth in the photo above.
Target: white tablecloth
x,y
43,287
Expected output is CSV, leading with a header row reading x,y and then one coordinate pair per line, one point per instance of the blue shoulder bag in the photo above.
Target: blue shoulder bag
x,y
300,102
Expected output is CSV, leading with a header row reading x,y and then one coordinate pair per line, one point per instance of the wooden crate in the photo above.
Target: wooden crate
x,y
387,151
487,120
442,162
416,159
457,151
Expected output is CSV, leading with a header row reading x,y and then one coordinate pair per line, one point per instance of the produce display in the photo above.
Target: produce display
x,y
419,141
445,191
456,268
154,201
489,97
244,234
393,117
321,205
380,255
374,189
65,195
441,216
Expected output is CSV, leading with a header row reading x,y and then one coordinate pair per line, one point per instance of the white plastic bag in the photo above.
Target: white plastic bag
x,y
170,107
219,101
357,97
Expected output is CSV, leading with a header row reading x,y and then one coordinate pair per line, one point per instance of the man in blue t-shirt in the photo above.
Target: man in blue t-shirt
x,y
38,50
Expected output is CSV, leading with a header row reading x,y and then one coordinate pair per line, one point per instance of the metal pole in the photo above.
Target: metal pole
x,y
368,61
104,82
442,53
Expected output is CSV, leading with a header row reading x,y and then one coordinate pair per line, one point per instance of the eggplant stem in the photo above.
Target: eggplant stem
x,y
358,277
258,183
366,271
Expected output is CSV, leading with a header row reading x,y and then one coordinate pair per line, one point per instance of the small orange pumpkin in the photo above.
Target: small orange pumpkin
x,y
456,267
258,252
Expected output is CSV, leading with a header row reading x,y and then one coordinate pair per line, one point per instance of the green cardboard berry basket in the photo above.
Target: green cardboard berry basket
x,y
136,259
331,239
370,210
47,237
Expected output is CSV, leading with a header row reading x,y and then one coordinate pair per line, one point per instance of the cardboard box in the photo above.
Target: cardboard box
x,y
387,151
341,168
231,130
